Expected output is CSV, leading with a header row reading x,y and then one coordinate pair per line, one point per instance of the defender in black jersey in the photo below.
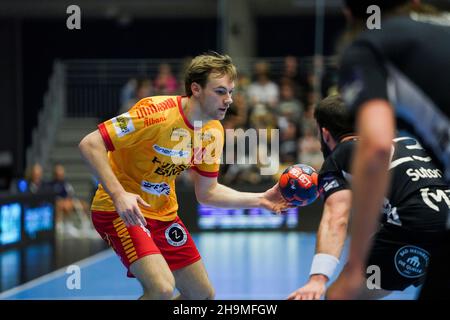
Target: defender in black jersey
x,y
402,72
413,220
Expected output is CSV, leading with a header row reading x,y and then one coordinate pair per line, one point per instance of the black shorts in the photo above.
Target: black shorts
x,y
402,256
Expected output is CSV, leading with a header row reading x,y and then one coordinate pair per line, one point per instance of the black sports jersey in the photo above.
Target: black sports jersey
x,y
418,195
407,62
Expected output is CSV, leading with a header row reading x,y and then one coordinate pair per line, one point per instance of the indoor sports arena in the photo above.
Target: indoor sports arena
x,y
203,149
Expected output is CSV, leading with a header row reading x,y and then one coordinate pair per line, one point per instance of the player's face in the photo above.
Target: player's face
x,y
215,97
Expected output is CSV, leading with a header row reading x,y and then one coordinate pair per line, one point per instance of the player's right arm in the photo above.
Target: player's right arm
x,y
93,150
331,236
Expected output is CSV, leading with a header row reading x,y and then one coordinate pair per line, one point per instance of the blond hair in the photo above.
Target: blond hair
x,y
203,65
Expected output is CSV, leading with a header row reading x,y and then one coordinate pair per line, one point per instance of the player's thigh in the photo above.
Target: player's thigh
x,y
153,273
396,261
193,282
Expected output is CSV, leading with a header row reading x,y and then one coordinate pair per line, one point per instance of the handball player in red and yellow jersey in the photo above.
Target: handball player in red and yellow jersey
x,y
137,156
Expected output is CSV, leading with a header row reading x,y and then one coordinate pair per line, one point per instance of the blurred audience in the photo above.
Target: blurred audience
x,y
165,82
263,89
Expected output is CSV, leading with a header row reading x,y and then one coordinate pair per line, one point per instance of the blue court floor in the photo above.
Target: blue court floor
x,y
247,266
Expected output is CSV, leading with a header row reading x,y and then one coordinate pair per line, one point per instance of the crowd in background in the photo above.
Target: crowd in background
x,y
282,99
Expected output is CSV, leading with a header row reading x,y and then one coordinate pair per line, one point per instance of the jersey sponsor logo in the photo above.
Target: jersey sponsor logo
x,y
435,196
411,261
176,235
170,152
156,189
330,185
168,169
423,173
123,124
147,108
151,121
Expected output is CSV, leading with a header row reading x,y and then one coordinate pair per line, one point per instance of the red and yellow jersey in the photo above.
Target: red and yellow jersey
x,y
153,143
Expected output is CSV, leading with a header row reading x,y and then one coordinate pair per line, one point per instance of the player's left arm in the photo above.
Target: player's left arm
x,y
209,192
376,127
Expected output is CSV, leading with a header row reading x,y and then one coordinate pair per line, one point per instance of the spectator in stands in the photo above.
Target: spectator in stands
x,y
143,89
295,75
165,82
310,149
289,136
67,206
263,89
290,107
35,182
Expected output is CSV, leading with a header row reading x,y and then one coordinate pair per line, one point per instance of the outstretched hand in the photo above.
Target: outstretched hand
x,y
273,200
313,290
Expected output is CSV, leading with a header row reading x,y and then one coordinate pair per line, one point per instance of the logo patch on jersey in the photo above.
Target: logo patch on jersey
x,y
330,185
411,261
155,188
178,133
170,152
176,235
123,124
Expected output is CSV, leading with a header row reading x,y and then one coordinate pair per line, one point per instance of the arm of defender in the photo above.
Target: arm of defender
x,y
93,150
376,127
330,242
209,192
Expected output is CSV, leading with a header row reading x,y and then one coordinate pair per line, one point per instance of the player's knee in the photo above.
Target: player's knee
x,y
159,291
207,294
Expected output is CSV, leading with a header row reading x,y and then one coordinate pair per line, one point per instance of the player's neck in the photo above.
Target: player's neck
x,y
192,111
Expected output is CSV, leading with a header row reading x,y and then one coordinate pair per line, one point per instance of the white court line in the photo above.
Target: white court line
x,y
57,273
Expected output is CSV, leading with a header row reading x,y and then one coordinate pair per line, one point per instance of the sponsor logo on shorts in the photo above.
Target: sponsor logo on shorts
x,y
171,153
411,261
123,124
176,235
155,188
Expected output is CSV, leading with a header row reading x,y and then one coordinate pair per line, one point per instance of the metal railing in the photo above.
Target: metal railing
x,y
44,134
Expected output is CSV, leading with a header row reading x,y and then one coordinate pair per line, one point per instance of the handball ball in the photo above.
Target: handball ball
x,y
299,185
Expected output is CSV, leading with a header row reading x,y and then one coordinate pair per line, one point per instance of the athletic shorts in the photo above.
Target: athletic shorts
x,y
171,239
402,256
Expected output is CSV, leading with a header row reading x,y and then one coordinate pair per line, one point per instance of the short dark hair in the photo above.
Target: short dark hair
x,y
332,114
